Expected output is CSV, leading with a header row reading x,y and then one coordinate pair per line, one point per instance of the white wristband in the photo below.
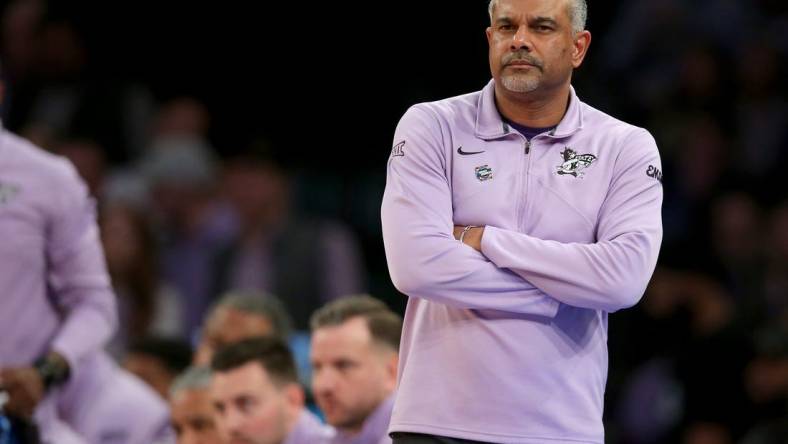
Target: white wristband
x,y
466,230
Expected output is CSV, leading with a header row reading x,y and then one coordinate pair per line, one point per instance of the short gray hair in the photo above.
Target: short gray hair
x,y
578,13
260,304
193,378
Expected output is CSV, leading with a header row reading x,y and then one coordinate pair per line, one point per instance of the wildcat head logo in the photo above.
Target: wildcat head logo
x,y
574,163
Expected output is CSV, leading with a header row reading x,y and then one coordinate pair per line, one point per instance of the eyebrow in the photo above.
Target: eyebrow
x,y
244,398
544,21
541,20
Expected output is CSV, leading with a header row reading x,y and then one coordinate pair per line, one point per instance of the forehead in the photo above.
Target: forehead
x,y
235,324
352,336
555,9
191,401
248,379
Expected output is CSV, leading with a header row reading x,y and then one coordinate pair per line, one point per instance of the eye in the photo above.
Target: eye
x,y
245,404
344,365
201,425
505,28
219,407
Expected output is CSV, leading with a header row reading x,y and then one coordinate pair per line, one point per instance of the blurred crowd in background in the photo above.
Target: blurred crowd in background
x,y
189,213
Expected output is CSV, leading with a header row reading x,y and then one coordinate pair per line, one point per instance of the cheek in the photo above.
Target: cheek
x,y
565,52
496,52
367,384
268,422
346,385
221,430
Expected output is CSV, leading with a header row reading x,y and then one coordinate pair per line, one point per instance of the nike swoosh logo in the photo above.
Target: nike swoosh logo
x,y
467,153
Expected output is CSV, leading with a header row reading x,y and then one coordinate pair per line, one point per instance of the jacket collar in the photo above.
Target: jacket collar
x,y
490,125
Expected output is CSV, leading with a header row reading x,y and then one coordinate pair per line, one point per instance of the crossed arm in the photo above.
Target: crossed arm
x,y
500,271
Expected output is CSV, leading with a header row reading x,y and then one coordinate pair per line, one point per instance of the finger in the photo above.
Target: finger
x,y
12,407
6,385
20,406
4,398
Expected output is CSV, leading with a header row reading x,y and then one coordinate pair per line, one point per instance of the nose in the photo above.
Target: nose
x,y
323,381
187,437
521,39
233,421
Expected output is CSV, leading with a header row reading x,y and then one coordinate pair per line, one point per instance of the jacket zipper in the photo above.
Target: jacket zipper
x,y
524,188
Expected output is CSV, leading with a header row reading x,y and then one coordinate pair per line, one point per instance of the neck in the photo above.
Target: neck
x,y
352,430
291,420
535,110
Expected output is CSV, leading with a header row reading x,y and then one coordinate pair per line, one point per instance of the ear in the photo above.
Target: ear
x,y
488,32
580,47
392,364
294,395
203,355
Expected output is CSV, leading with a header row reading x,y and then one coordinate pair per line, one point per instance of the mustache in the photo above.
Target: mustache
x,y
521,56
236,436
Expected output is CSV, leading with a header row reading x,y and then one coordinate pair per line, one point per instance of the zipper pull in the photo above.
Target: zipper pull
x,y
527,146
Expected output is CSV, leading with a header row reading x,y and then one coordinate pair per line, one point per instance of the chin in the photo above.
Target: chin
x,y
332,419
519,84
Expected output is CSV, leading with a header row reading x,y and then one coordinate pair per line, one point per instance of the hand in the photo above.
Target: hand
x,y
473,238
25,390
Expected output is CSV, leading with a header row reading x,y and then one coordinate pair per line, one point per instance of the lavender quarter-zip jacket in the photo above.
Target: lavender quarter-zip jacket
x,y
510,345
106,404
375,428
309,430
55,292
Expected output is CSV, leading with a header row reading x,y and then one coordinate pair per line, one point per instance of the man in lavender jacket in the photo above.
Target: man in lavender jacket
x,y
354,359
57,303
256,396
516,218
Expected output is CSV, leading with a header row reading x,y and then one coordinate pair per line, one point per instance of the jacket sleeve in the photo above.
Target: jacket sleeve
x,y
613,272
424,259
78,281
